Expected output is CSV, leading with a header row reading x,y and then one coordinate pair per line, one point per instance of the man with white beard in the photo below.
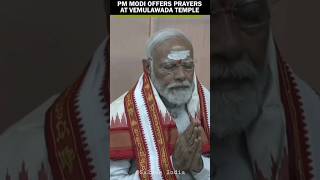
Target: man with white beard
x,y
160,128
265,117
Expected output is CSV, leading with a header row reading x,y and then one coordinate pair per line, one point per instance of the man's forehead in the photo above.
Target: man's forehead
x,y
173,45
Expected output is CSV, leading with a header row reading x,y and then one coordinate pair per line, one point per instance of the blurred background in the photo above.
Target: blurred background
x,y
44,46
297,31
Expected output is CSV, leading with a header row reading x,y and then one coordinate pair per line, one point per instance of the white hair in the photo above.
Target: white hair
x,y
161,36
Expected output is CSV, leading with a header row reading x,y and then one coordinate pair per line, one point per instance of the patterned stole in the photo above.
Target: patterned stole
x,y
299,156
67,150
296,162
147,130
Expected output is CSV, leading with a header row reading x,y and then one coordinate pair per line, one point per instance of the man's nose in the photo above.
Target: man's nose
x,y
180,74
226,38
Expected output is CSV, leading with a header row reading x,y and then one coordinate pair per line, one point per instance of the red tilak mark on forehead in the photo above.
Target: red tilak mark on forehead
x,y
178,61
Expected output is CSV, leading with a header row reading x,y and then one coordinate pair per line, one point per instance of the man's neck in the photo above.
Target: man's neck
x,y
174,109
168,104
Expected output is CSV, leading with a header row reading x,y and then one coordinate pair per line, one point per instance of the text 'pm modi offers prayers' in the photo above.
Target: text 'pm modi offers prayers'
x,y
149,7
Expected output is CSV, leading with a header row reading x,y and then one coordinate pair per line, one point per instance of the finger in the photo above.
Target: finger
x,y
188,152
199,147
189,157
190,117
177,150
197,150
197,119
178,163
195,134
189,131
198,132
180,145
195,165
197,122
192,153
195,158
179,141
194,146
194,119
197,155
180,158
192,139
182,153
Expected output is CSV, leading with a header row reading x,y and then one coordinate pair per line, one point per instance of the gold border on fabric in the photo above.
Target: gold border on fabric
x,y
203,110
155,117
137,136
65,149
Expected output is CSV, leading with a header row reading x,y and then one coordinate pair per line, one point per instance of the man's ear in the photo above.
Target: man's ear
x,y
146,66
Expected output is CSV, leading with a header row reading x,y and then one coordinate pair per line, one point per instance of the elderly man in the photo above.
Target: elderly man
x,y
160,128
266,118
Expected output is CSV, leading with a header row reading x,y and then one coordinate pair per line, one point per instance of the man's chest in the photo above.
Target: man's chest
x,y
231,159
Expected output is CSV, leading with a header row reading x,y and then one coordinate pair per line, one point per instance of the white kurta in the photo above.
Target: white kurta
x,y
24,144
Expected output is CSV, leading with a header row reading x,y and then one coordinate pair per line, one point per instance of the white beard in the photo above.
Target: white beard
x,y
175,96
234,110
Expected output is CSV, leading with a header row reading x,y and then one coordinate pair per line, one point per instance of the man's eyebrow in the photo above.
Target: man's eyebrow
x,y
169,61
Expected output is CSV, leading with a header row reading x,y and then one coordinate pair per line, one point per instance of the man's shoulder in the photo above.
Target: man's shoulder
x,y
117,106
119,100
206,91
30,122
25,139
310,101
306,91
